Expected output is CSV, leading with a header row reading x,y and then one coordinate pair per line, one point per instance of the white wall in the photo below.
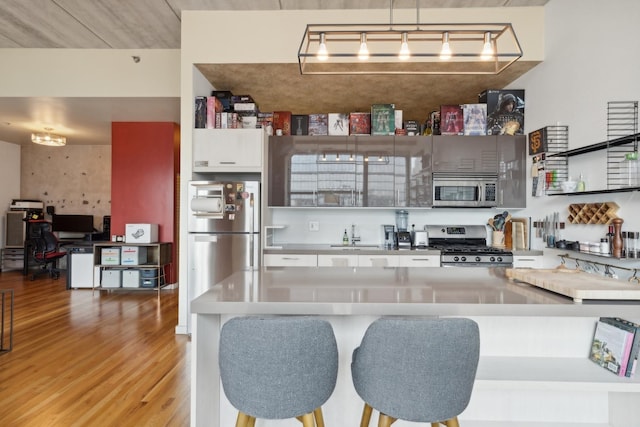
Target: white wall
x,y
10,179
591,57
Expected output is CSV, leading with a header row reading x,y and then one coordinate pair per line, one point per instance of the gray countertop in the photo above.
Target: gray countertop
x,y
391,291
294,248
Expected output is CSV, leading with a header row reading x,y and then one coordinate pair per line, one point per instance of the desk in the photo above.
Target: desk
x,y
534,344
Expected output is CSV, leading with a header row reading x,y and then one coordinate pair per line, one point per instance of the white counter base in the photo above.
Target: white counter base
x,y
533,370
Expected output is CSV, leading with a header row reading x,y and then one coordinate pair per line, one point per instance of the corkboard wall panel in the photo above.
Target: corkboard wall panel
x,y
73,179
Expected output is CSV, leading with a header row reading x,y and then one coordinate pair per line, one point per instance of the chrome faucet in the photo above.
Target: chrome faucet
x,y
354,238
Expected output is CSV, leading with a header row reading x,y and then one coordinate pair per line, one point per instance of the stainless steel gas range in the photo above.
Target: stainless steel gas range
x,y
466,246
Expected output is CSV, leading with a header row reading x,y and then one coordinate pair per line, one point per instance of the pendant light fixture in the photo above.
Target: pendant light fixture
x,y
425,48
48,139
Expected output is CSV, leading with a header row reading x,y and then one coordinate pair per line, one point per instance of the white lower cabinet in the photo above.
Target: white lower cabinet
x,y
337,260
419,261
528,261
290,260
378,261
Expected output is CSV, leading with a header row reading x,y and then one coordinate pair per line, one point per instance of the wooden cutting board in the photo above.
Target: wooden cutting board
x,y
576,284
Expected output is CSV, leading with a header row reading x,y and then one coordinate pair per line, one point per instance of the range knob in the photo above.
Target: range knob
x,y
499,259
464,258
492,259
456,259
478,259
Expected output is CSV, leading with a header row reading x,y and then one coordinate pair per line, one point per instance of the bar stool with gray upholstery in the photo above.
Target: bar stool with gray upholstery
x,y
278,367
419,370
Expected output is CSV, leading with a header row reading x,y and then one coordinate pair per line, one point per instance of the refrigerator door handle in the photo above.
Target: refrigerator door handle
x,y
207,238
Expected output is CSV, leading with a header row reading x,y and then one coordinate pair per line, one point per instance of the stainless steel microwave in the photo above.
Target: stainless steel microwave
x,y
464,190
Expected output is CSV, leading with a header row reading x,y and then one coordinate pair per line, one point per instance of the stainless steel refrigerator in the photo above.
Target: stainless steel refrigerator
x,y
224,231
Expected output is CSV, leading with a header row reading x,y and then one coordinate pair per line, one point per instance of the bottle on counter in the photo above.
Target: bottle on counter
x,y
345,238
581,185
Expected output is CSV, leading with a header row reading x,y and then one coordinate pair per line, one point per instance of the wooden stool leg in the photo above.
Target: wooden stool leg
x,y
318,416
385,420
453,422
307,420
252,422
366,415
243,420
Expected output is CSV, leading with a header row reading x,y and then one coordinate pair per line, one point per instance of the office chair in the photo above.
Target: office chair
x,y
46,250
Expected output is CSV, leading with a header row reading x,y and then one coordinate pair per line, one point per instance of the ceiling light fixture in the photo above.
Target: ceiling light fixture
x,y
445,52
363,52
405,53
48,139
425,48
487,47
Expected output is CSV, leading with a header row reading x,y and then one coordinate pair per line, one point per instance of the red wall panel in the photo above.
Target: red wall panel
x,y
144,174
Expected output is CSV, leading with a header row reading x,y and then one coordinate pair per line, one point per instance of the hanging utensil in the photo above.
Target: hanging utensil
x,y
491,224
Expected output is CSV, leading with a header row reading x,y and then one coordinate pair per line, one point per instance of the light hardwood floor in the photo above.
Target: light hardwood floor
x,y
90,358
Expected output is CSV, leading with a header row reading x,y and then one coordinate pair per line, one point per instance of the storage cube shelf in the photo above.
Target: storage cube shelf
x,y
131,267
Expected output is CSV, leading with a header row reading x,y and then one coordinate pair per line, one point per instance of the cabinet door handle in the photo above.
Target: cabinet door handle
x,y
290,258
227,163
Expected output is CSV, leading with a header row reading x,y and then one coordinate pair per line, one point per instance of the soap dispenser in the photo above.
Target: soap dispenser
x,y
345,238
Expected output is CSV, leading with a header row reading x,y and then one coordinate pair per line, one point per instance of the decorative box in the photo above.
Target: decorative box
x,y
133,255
111,279
141,233
131,279
110,256
282,120
383,120
338,124
475,119
505,111
299,124
360,124
451,122
318,124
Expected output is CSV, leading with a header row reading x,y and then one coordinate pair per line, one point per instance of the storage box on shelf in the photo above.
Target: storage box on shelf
x,y
139,266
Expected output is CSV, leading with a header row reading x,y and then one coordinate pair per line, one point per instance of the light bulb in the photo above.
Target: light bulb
x,y
487,48
405,53
323,53
363,53
445,52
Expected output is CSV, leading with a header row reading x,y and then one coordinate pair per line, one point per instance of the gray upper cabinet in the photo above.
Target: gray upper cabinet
x,y
512,174
465,154
387,171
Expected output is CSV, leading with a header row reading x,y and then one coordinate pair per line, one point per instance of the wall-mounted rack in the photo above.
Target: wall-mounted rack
x,y
609,269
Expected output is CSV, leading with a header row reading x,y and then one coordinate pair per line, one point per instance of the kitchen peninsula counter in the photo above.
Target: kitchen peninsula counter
x,y
532,341
363,249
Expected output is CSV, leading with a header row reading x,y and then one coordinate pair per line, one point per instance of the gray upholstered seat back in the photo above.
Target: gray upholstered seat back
x,y
418,370
279,367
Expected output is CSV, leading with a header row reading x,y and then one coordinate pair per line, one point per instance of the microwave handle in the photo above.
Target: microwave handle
x,y
480,193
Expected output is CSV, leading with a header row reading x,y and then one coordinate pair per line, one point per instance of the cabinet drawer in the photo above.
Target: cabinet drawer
x,y
527,262
419,261
290,260
338,260
377,261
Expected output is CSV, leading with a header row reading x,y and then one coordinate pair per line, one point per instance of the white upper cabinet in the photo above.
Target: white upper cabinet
x,y
228,150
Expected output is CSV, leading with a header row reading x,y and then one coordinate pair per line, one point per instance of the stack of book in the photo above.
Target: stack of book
x,y
615,345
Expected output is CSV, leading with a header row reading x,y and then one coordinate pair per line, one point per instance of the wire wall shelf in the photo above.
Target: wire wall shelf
x,y
557,142
622,122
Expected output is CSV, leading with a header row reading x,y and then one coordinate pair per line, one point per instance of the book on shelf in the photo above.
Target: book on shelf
x,y
338,124
451,120
299,124
201,112
611,345
475,119
359,123
635,345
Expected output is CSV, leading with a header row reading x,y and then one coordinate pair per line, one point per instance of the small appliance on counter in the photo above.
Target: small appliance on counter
x,y
403,240
420,239
388,236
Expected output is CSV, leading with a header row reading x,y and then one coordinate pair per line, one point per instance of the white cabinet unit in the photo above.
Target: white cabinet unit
x,y
290,260
378,260
337,260
419,261
527,261
228,150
